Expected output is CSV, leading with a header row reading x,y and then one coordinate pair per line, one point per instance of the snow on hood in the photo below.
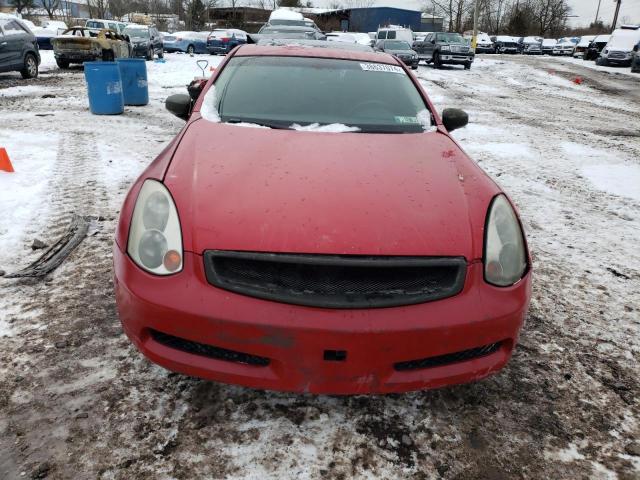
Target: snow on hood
x,y
624,40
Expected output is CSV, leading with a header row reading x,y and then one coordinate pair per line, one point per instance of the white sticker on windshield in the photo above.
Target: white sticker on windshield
x,y
381,67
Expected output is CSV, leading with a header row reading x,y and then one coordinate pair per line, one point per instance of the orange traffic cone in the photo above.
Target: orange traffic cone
x,y
5,163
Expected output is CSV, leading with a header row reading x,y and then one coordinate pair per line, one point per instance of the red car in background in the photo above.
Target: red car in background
x,y
315,228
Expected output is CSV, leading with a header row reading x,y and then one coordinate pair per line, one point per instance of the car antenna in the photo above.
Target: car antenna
x,y
206,64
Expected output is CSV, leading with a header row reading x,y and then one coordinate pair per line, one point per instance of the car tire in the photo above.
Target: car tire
x,y
191,50
414,67
150,54
602,62
30,69
161,54
108,56
436,60
467,66
62,63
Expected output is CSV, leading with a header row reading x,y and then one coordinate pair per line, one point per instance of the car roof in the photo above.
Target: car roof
x,y
356,54
286,42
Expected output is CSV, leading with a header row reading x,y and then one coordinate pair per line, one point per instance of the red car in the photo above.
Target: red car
x,y
315,228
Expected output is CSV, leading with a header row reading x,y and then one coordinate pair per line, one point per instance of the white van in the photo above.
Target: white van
x,y
619,49
395,33
96,24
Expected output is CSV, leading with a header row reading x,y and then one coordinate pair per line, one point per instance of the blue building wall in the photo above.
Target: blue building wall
x,y
369,19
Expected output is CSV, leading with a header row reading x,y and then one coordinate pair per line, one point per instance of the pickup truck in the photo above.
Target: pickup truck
x,y
445,49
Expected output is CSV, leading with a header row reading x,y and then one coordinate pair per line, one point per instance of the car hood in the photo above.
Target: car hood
x,y
400,52
255,189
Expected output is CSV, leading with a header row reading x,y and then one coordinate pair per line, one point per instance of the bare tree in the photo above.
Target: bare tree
x,y
21,5
50,6
98,8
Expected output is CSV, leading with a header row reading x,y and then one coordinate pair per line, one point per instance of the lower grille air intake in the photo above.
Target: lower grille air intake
x,y
210,351
449,358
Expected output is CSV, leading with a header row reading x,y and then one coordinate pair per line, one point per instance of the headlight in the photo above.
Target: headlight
x,y
155,240
445,48
505,257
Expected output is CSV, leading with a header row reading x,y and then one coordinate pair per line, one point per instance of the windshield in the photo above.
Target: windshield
x,y
449,38
94,24
137,32
397,45
287,92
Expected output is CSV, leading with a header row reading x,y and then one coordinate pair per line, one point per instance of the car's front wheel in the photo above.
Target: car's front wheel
x,y
161,54
436,60
467,66
30,68
190,49
62,63
150,54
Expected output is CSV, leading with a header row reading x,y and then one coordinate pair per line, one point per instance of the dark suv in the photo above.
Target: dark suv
x,y
18,48
145,41
445,48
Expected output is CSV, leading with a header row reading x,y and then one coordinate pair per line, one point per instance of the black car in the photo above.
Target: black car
x,y
445,48
18,48
596,46
400,49
145,41
635,60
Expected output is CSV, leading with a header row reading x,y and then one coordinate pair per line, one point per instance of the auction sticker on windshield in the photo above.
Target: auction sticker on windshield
x,y
381,67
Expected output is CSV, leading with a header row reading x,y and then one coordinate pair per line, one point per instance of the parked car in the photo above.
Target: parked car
x,y
583,45
18,47
57,26
287,31
531,46
595,47
619,48
211,282
400,49
222,41
547,45
445,49
362,38
95,25
565,46
484,44
505,44
78,45
340,37
187,42
395,33
635,62
145,41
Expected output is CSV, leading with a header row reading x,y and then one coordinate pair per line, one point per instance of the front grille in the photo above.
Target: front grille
x,y
458,49
209,351
617,55
329,281
449,358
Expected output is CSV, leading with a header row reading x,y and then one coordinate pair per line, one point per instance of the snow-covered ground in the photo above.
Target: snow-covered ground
x,y
77,400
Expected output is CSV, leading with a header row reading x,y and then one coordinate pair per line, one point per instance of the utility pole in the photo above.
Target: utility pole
x,y
598,11
615,17
474,42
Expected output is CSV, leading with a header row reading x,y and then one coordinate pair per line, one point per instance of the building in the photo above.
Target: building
x,y
249,19
367,19
68,9
431,23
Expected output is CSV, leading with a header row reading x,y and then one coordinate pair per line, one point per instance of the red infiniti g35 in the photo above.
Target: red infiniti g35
x,y
315,228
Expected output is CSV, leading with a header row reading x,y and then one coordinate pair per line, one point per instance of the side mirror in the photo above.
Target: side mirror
x,y
454,118
179,105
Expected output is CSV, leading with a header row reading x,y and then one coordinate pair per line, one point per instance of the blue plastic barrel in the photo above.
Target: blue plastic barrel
x,y
134,80
104,86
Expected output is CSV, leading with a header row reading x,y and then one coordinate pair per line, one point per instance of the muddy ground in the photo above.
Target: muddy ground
x,y
78,401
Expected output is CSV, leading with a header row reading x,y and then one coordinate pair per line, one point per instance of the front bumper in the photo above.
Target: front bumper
x,y
73,56
455,58
217,49
410,61
140,50
295,339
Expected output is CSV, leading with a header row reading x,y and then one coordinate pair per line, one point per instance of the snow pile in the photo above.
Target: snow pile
x,y
22,192
330,128
285,14
208,109
621,180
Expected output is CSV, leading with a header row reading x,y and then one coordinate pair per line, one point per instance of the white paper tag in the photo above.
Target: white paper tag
x,y
381,67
